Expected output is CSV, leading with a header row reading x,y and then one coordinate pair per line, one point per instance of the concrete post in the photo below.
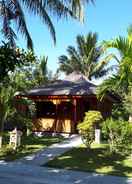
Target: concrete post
x,y
97,136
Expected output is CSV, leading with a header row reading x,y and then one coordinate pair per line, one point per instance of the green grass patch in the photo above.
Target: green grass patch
x,y
98,160
30,144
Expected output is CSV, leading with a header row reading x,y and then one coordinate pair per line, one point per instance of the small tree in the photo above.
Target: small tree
x,y
10,60
25,110
87,127
6,95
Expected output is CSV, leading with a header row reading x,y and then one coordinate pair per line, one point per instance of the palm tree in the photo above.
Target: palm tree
x,y
11,11
122,80
86,58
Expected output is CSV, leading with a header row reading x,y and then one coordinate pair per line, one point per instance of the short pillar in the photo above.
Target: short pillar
x,y
15,138
97,136
130,119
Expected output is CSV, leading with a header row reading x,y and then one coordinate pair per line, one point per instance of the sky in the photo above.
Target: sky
x,y
109,18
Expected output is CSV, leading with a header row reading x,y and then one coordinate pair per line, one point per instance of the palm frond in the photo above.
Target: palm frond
x,y
77,7
38,8
80,40
121,44
86,58
109,85
43,65
7,31
21,24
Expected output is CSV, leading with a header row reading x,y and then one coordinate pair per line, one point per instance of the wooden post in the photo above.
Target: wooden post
x,y
75,114
56,116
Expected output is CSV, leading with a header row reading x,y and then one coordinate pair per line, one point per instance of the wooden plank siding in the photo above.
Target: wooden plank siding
x,y
52,125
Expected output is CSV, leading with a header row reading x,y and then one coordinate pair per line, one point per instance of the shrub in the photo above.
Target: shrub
x,y
8,151
119,135
87,127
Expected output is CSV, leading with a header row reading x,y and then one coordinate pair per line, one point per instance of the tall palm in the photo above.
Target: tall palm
x,y
122,80
86,58
11,11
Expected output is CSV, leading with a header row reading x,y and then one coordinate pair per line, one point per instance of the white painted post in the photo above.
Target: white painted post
x,y
15,138
97,136
130,118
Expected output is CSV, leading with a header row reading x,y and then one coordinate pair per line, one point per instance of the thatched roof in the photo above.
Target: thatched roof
x,y
73,84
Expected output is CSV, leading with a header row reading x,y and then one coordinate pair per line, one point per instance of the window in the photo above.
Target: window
x,y
45,109
65,109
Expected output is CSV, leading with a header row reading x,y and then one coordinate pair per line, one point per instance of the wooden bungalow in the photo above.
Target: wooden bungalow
x,y
62,104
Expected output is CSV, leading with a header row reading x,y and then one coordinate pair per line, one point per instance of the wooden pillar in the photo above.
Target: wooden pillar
x,y
74,115
56,116
36,109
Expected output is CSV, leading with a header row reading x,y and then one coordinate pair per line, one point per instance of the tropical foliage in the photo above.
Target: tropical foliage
x,y
122,80
119,135
10,59
86,58
40,73
18,73
12,13
6,105
11,63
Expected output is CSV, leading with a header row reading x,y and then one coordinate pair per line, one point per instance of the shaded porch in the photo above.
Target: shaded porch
x,y
62,114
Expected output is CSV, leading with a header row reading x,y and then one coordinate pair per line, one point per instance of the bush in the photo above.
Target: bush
x,y
8,151
20,121
87,127
119,135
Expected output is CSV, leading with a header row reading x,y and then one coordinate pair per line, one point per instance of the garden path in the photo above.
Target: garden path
x,y
43,156
28,170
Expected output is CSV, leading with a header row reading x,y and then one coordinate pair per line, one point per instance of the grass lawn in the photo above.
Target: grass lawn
x,y
98,160
30,145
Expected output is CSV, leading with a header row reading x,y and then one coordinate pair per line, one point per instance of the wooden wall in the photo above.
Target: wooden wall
x,y
52,125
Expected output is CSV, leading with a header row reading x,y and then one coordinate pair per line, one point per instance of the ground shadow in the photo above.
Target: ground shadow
x,y
97,160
